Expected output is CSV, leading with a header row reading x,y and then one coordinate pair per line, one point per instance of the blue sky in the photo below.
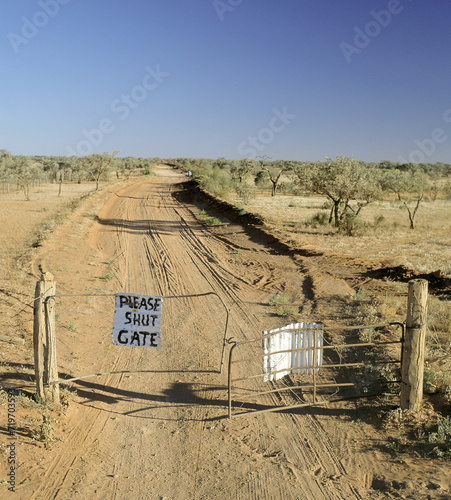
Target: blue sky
x,y
289,79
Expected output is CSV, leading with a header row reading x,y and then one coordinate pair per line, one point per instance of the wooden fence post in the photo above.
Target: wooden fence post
x,y
412,369
44,340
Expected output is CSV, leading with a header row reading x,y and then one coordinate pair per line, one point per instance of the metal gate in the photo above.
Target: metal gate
x,y
356,361
45,338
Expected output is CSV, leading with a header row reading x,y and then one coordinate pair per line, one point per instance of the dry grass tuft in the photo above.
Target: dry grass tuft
x,y
425,430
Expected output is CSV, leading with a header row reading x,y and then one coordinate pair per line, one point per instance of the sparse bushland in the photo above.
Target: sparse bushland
x,y
349,185
28,172
363,201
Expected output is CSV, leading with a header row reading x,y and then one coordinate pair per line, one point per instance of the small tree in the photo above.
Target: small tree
x,y
77,167
273,171
24,172
221,163
5,167
346,182
97,165
409,187
240,171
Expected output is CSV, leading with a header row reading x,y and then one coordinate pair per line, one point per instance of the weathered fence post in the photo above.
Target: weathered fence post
x,y
412,369
44,340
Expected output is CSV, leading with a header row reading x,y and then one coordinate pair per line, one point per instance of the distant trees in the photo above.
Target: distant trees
x,y
272,171
20,170
28,171
221,163
241,171
348,184
125,166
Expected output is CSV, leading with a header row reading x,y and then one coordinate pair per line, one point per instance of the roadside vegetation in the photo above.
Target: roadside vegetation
x,y
347,185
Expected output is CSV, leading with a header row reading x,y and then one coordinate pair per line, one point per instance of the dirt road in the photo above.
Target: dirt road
x,y
161,432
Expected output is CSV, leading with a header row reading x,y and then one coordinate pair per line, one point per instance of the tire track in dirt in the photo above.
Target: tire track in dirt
x,y
156,434
63,467
162,276
169,273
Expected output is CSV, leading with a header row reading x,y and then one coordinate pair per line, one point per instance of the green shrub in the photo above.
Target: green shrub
x,y
442,435
107,276
351,225
278,299
213,221
318,219
216,181
287,187
281,303
286,310
378,221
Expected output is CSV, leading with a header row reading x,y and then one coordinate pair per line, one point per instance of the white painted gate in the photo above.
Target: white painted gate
x,y
279,358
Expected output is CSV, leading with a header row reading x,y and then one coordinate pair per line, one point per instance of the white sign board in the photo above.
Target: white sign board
x,y
137,320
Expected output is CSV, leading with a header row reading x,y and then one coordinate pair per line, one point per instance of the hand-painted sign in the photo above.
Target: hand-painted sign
x,y
137,320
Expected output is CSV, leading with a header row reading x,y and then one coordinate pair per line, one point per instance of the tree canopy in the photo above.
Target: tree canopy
x,y
347,183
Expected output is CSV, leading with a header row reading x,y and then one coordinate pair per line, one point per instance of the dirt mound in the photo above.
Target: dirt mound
x,y
439,283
